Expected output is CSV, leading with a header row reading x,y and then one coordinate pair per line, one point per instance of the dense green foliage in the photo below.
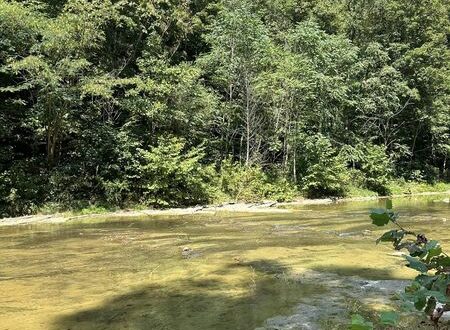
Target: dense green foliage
x,y
176,102
430,290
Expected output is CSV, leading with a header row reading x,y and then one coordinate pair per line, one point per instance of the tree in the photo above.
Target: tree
x,y
239,43
272,86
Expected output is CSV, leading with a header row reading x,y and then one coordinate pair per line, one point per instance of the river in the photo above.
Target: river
x,y
221,271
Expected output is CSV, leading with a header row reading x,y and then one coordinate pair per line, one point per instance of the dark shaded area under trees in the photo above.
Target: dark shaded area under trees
x,y
174,102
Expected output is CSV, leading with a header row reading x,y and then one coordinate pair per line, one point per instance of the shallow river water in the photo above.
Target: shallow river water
x,y
222,271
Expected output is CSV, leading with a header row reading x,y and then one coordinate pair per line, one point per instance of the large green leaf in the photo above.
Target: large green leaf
x,y
431,245
441,285
443,261
395,235
380,217
425,280
440,296
389,318
359,323
415,250
420,300
420,296
433,249
416,264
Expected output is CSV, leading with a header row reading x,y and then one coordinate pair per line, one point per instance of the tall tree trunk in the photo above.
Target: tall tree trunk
x,y
247,121
50,148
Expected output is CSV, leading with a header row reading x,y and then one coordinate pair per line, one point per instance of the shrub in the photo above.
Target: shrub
x,y
22,190
171,174
356,187
376,167
323,170
373,164
250,183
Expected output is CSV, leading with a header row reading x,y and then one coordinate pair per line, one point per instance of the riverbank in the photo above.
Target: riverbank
x,y
260,207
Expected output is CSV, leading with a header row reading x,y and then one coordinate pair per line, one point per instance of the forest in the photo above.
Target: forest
x,y
166,103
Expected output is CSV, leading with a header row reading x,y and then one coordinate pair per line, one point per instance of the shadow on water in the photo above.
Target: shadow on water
x,y
264,266
197,304
191,304
363,272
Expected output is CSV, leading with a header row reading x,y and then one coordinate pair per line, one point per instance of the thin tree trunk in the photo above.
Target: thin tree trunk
x,y
247,119
295,167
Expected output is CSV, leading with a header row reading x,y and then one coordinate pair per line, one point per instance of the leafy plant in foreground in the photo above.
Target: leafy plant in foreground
x,y
430,290
386,319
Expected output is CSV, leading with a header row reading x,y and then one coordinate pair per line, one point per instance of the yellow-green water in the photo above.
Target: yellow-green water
x,y
130,273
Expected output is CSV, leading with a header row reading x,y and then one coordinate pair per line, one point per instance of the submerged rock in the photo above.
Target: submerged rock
x,y
189,253
287,229
312,311
305,317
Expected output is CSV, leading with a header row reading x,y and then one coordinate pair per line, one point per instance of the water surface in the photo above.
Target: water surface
x,y
131,273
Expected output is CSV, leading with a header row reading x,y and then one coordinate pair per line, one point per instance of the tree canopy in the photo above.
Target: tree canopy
x,y
153,102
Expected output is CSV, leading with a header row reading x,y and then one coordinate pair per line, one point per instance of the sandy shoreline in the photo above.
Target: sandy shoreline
x,y
266,206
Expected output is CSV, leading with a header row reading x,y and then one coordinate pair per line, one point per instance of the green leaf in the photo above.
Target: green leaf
x,y
441,285
420,295
440,296
431,249
431,305
389,318
395,236
434,253
380,217
407,306
360,323
416,264
431,245
415,250
443,261
420,301
413,287
425,280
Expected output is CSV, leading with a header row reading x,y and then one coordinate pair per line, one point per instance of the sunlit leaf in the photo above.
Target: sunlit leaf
x,y
389,318
433,249
443,261
360,323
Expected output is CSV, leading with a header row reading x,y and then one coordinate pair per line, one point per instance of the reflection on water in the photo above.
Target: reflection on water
x,y
133,274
